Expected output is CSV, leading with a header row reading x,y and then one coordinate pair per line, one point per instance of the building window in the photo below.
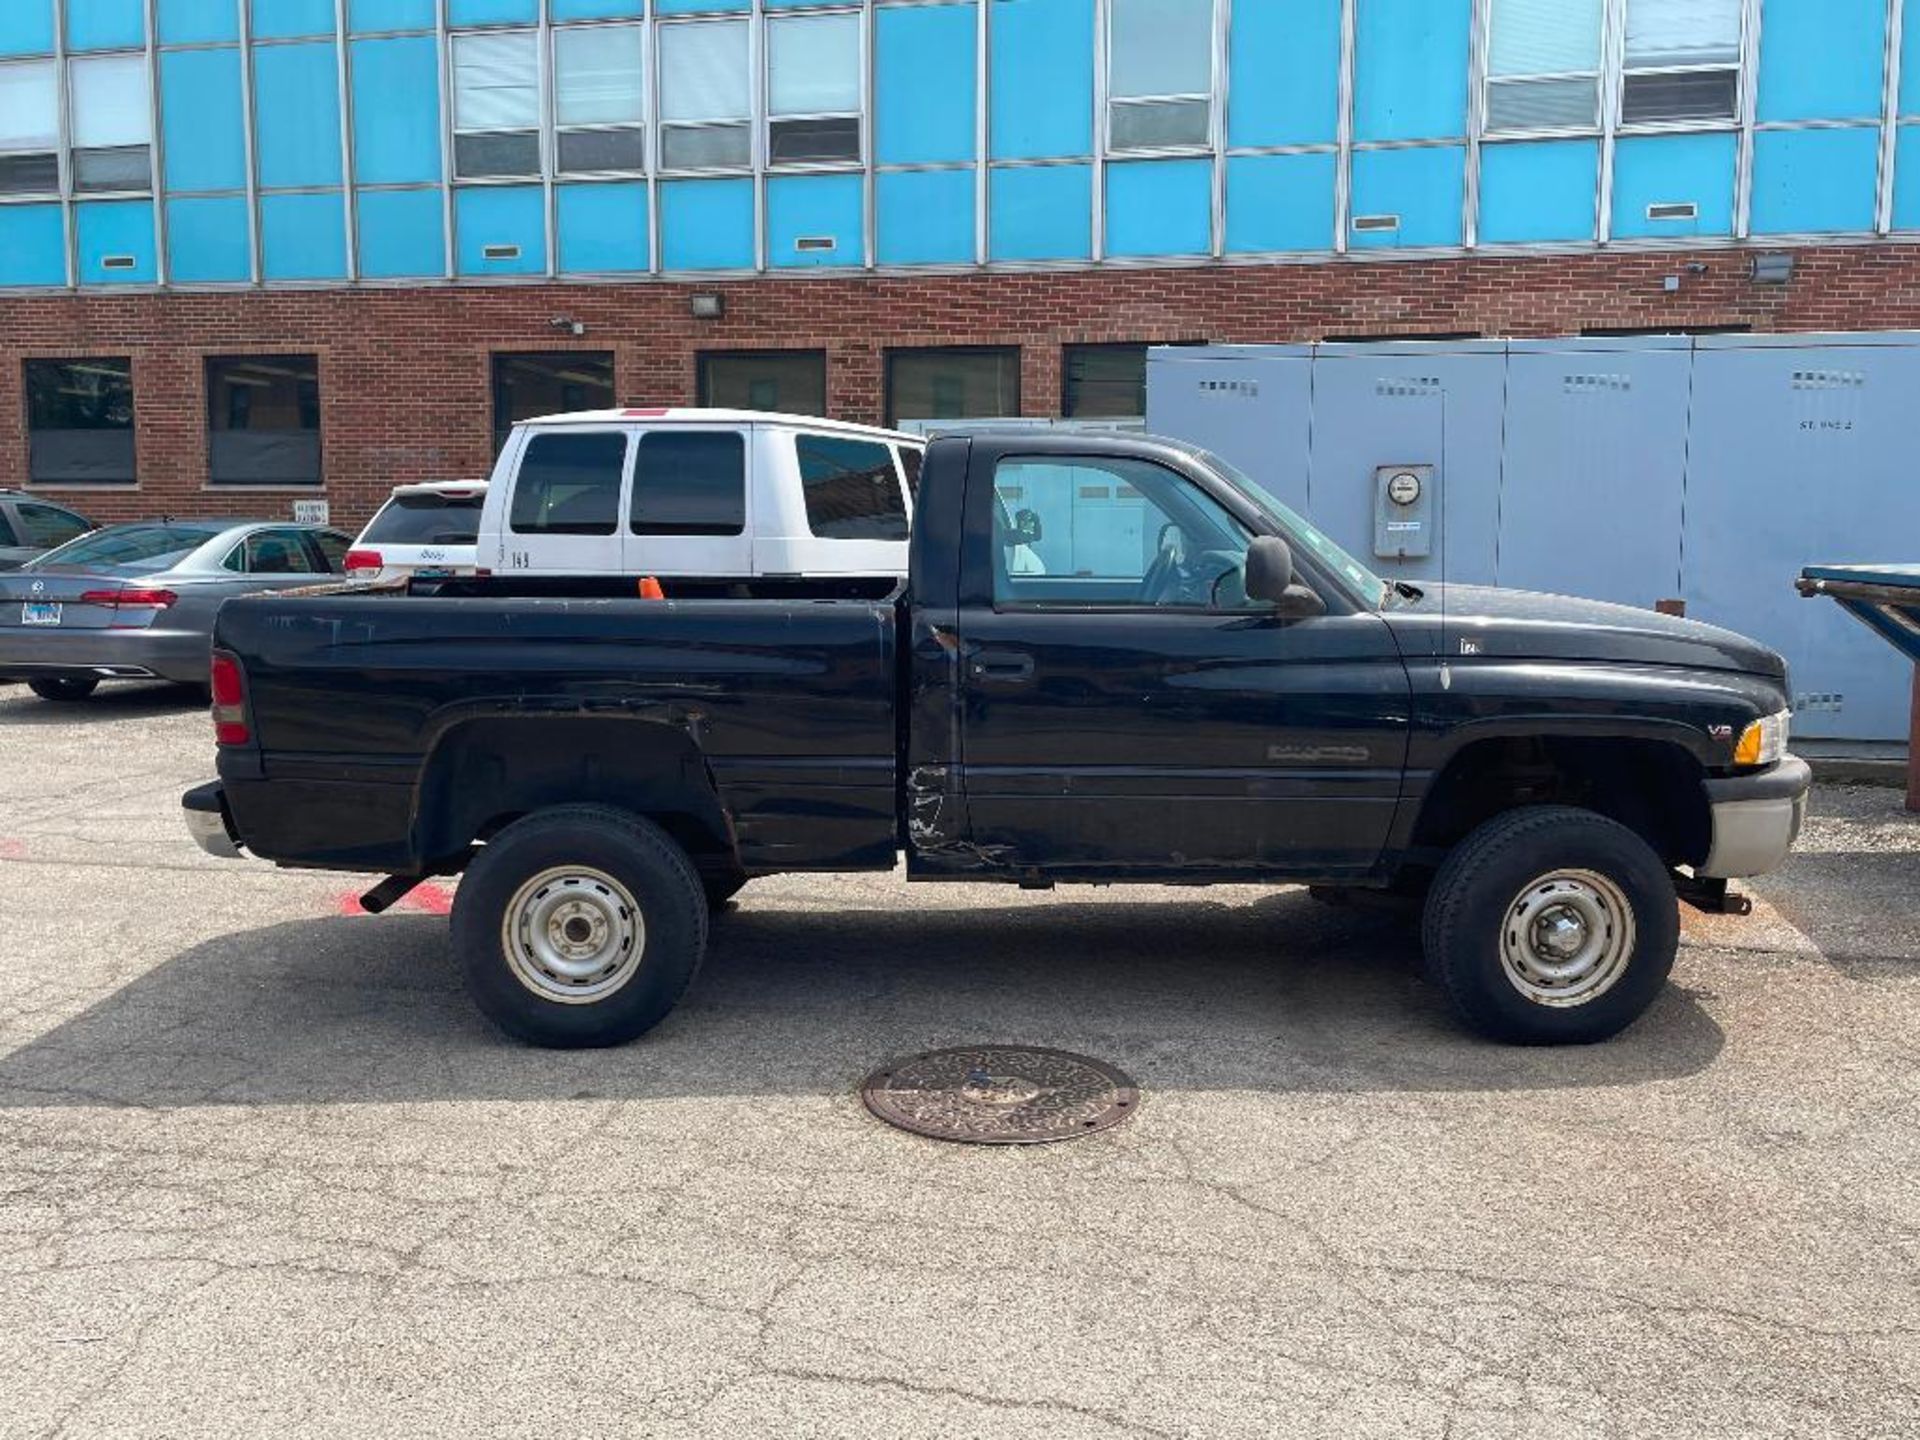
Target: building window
x,y
852,490
813,90
1104,382
599,98
263,420
496,105
528,386
690,482
706,105
80,422
1543,65
960,384
1683,62
792,382
30,128
1160,74
112,124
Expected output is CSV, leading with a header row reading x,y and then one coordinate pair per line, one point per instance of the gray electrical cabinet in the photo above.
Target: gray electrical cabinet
x,y
1638,469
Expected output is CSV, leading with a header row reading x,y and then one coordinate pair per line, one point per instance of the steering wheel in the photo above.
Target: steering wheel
x,y
1164,582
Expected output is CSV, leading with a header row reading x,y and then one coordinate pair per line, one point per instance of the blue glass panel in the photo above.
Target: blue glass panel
x,y
1041,212
689,7
207,239
1280,202
105,24
1910,59
303,237
1822,59
1539,192
1692,170
602,227
116,229
390,15
1160,207
296,97
597,9
1040,80
396,110
1285,59
925,217
202,120
492,12
800,4
402,232
1410,69
814,207
197,22
26,28
511,215
33,245
924,84
1423,187
706,224
1814,181
288,19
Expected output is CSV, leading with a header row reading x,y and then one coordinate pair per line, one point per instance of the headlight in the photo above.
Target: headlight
x,y
1764,741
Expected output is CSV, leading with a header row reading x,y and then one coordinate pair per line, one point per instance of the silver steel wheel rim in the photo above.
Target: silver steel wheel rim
x,y
573,934
1567,938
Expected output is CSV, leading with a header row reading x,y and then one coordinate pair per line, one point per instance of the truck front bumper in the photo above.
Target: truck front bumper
x,y
1756,819
205,809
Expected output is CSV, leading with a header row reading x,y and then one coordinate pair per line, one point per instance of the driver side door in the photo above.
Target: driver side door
x,y
1127,709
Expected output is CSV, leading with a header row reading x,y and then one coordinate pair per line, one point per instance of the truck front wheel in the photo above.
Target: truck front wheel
x,y
1551,925
579,926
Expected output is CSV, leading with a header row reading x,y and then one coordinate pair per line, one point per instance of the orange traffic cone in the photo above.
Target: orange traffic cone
x,y
650,589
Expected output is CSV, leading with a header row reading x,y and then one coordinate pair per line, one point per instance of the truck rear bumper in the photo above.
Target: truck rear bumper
x,y
205,810
1756,819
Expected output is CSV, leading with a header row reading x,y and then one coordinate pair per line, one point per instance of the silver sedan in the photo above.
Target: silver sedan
x,y
136,602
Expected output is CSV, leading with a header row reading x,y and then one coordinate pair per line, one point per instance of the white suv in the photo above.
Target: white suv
x,y
700,493
424,530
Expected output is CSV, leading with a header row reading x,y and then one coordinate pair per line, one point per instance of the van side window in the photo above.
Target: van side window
x,y
851,488
910,467
690,482
569,485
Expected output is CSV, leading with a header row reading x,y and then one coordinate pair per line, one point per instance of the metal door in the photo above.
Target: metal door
x,y
1249,404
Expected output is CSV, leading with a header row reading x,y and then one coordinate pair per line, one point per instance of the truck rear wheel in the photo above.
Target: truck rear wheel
x,y
579,926
1551,925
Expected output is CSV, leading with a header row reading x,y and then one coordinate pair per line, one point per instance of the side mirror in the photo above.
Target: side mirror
x,y
1026,528
1271,578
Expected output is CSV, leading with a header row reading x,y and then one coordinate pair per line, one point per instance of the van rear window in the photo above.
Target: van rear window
x,y
569,485
427,520
690,482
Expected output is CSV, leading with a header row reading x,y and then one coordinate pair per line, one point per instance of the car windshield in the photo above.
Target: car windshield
x,y
138,549
426,520
1369,586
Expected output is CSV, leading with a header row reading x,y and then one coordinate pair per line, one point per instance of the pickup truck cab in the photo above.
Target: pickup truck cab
x,y
700,493
1196,686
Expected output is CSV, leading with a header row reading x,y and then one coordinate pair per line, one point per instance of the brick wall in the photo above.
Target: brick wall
x,y
404,373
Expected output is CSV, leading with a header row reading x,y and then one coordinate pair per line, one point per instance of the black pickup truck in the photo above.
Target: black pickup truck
x,y
1205,689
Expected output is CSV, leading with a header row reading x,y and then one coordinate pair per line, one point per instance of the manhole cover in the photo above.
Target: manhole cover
x,y
1000,1095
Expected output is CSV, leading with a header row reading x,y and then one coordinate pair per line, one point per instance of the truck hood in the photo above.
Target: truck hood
x,y
1525,625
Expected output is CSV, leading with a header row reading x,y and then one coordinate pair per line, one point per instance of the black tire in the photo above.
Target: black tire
x,y
1490,877
644,861
64,688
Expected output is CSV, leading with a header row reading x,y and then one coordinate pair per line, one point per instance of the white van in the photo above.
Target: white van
x,y
711,494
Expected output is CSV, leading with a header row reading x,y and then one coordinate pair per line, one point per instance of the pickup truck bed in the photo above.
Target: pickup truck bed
x,y
1217,694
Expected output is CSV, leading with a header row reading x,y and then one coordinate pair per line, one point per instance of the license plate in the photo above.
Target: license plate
x,y
40,612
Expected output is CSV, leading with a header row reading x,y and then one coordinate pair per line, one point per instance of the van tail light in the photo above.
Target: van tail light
x,y
129,599
230,725
364,560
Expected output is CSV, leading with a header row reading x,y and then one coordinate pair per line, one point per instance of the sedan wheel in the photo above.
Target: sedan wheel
x,y
64,687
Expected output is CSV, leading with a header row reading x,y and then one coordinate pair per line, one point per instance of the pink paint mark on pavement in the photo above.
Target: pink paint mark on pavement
x,y
13,849
429,898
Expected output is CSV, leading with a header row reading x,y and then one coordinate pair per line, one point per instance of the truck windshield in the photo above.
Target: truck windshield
x,y
1371,589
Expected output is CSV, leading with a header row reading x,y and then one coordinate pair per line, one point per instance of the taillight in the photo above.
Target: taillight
x,y
364,560
129,599
229,701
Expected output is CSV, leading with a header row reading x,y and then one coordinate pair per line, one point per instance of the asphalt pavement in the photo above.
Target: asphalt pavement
x,y
263,1169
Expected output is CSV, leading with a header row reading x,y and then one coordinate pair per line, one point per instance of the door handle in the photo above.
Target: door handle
x,y
1004,667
